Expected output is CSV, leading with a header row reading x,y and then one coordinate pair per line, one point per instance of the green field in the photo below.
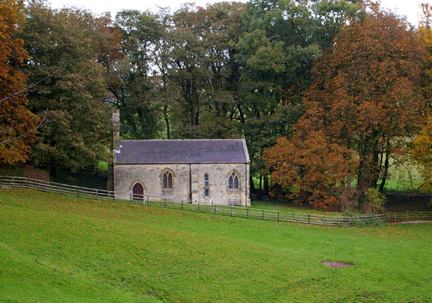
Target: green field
x,y
60,249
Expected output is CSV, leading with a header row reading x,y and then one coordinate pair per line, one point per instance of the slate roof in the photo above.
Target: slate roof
x,y
182,151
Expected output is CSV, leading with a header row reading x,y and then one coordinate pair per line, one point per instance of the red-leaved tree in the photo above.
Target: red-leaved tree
x,y
17,124
364,99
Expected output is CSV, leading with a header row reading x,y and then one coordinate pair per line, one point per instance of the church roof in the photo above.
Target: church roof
x,y
182,151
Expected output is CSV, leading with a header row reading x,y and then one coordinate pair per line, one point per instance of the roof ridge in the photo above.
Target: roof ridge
x,y
183,151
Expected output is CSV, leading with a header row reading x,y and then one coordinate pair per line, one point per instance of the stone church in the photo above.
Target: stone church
x,y
205,171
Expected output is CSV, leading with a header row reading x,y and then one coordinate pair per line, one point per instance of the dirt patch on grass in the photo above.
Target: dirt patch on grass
x,y
336,264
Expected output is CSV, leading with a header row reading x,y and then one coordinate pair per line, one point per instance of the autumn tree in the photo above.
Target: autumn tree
x,y
421,149
311,169
282,41
17,124
364,97
425,31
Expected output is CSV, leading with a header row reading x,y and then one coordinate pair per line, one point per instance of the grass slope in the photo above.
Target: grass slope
x,y
59,249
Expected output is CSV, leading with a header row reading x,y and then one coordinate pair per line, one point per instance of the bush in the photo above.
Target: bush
x,y
373,201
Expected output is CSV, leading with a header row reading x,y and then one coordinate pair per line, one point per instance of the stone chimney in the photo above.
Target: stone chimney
x,y
115,148
115,133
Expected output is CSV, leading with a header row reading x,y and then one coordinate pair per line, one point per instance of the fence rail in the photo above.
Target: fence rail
x,y
233,211
408,216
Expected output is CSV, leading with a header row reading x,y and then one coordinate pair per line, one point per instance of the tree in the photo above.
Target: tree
x,y
364,97
131,79
311,169
17,123
421,149
200,63
63,47
282,41
425,30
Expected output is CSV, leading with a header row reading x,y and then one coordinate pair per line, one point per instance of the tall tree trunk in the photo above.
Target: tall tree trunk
x,y
266,184
386,166
165,113
252,185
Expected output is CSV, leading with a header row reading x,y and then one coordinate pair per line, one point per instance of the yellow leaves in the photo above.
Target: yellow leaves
x,y
421,153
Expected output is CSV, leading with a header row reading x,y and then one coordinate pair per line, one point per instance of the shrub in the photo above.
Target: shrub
x,y
373,201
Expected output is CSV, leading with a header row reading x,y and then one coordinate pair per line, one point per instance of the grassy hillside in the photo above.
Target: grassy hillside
x,y
57,249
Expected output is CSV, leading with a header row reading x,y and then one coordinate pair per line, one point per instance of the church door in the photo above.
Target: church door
x,y
138,192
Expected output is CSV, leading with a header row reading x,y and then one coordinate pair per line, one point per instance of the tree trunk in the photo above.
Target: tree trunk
x,y
386,167
252,185
165,113
266,185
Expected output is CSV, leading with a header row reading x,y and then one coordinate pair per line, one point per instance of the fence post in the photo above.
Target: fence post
x,y
198,207
406,215
262,214
293,219
164,204
308,219
231,211
324,221
278,216
247,212
214,210
78,192
182,207
13,182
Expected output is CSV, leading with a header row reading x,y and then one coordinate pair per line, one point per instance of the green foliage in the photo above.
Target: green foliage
x,y
79,250
281,43
130,78
373,201
63,55
374,61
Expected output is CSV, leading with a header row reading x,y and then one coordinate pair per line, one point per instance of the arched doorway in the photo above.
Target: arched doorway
x,y
138,192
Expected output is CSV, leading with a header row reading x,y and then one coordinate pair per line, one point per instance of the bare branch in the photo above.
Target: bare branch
x,y
27,133
23,90
33,84
19,125
42,122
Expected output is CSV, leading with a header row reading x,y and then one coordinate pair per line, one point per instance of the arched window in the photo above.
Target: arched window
x,y
233,181
206,185
138,192
167,180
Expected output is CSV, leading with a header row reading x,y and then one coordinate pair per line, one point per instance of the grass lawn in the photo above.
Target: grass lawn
x,y
60,249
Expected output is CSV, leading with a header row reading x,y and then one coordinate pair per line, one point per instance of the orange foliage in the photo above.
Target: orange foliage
x,y
15,119
364,96
312,168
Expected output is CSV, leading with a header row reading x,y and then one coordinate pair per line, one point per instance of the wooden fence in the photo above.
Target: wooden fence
x,y
233,211
408,216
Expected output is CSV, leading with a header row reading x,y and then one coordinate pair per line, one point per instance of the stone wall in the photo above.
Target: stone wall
x,y
188,182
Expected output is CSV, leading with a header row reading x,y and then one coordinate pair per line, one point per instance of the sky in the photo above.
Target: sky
x,y
409,8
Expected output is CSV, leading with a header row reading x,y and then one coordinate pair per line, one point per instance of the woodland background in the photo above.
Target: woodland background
x,y
329,94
